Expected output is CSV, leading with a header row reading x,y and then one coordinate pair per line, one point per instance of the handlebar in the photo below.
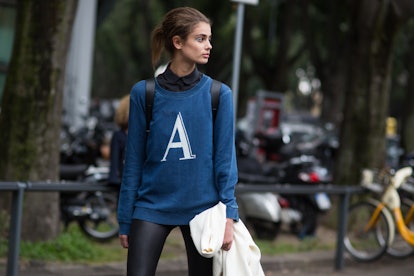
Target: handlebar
x,y
400,176
370,179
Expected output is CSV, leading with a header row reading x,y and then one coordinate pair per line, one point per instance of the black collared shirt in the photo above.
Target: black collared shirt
x,y
170,81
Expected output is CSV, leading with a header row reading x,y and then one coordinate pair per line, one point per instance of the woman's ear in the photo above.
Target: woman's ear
x,y
176,40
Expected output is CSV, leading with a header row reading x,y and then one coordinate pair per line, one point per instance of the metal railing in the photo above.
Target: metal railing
x,y
19,188
343,192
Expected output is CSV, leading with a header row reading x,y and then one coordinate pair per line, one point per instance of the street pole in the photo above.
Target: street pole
x,y
237,50
237,56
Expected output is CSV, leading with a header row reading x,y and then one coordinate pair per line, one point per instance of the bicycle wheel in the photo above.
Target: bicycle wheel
x,y
399,248
365,243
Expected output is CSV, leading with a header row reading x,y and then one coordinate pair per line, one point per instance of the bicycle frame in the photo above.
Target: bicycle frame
x,y
381,207
392,199
374,218
409,216
405,232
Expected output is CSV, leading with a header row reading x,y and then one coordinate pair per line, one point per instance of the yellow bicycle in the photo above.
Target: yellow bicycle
x,y
401,247
372,224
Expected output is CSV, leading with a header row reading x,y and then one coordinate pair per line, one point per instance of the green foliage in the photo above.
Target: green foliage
x,y
3,247
70,246
280,246
4,226
73,246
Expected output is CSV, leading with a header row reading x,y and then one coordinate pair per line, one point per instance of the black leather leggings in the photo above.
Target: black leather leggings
x,y
146,241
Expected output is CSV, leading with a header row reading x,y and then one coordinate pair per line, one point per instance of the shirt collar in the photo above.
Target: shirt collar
x,y
173,82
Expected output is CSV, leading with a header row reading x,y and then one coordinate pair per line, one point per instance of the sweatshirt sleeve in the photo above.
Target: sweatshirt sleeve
x,y
134,157
225,165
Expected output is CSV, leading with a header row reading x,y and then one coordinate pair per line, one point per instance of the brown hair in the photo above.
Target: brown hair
x,y
122,113
179,21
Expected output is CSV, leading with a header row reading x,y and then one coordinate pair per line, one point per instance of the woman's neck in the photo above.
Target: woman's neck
x,y
182,69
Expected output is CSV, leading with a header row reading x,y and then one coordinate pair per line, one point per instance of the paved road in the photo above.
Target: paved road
x,y
298,264
319,264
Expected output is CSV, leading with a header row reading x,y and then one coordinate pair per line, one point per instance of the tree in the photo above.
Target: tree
x,y
374,27
325,28
407,116
122,52
350,44
30,117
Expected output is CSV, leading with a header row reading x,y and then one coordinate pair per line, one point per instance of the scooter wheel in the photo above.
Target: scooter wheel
x,y
101,224
265,230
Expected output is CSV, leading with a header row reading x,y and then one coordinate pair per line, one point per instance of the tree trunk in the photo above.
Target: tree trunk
x,y
407,130
333,71
374,27
32,105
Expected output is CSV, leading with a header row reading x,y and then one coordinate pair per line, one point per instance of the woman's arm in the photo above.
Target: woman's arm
x,y
225,165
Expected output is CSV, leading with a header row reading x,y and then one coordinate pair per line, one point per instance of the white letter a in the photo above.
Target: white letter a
x,y
183,142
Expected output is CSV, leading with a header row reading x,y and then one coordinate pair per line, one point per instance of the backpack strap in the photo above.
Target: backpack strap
x,y
215,97
149,101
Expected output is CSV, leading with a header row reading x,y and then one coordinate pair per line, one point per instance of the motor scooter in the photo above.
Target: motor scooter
x,y
267,211
94,212
263,212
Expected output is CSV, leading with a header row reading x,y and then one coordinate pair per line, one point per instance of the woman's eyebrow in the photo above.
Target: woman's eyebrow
x,y
203,35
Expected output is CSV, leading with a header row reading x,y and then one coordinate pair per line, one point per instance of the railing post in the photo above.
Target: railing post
x,y
342,225
15,230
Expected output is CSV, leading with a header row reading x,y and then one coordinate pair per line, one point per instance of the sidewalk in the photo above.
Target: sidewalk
x,y
312,263
299,264
172,267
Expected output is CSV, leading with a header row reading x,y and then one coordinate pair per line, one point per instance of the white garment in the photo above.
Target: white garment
x,y
207,232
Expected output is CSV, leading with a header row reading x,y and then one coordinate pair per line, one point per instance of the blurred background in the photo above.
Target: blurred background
x,y
331,79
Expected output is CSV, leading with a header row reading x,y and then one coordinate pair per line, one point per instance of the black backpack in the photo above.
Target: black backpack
x,y
149,99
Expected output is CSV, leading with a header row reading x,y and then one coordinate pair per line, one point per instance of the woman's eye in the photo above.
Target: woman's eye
x,y
200,39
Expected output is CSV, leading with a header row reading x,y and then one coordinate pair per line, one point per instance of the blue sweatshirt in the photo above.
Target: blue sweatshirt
x,y
183,167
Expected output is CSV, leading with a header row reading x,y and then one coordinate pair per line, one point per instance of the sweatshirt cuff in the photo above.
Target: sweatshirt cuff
x,y
124,228
232,213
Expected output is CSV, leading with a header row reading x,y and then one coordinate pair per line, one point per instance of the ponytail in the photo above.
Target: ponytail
x,y
158,41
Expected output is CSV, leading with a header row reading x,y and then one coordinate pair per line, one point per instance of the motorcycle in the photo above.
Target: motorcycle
x,y
82,160
306,170
84,144
267,211
94,212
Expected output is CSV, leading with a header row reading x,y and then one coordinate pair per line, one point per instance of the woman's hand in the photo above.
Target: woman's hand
x,y
228,235
124,240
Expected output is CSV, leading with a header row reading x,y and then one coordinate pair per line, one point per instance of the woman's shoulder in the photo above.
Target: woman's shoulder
x,y
224,89
138,92
138,87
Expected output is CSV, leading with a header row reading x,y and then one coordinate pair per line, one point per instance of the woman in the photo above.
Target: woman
x,y
118,142
185,164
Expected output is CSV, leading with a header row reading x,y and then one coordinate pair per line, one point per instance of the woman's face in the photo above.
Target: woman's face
x,y
196,48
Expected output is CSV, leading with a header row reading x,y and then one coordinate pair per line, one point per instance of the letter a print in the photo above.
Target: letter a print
x,y
183,143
